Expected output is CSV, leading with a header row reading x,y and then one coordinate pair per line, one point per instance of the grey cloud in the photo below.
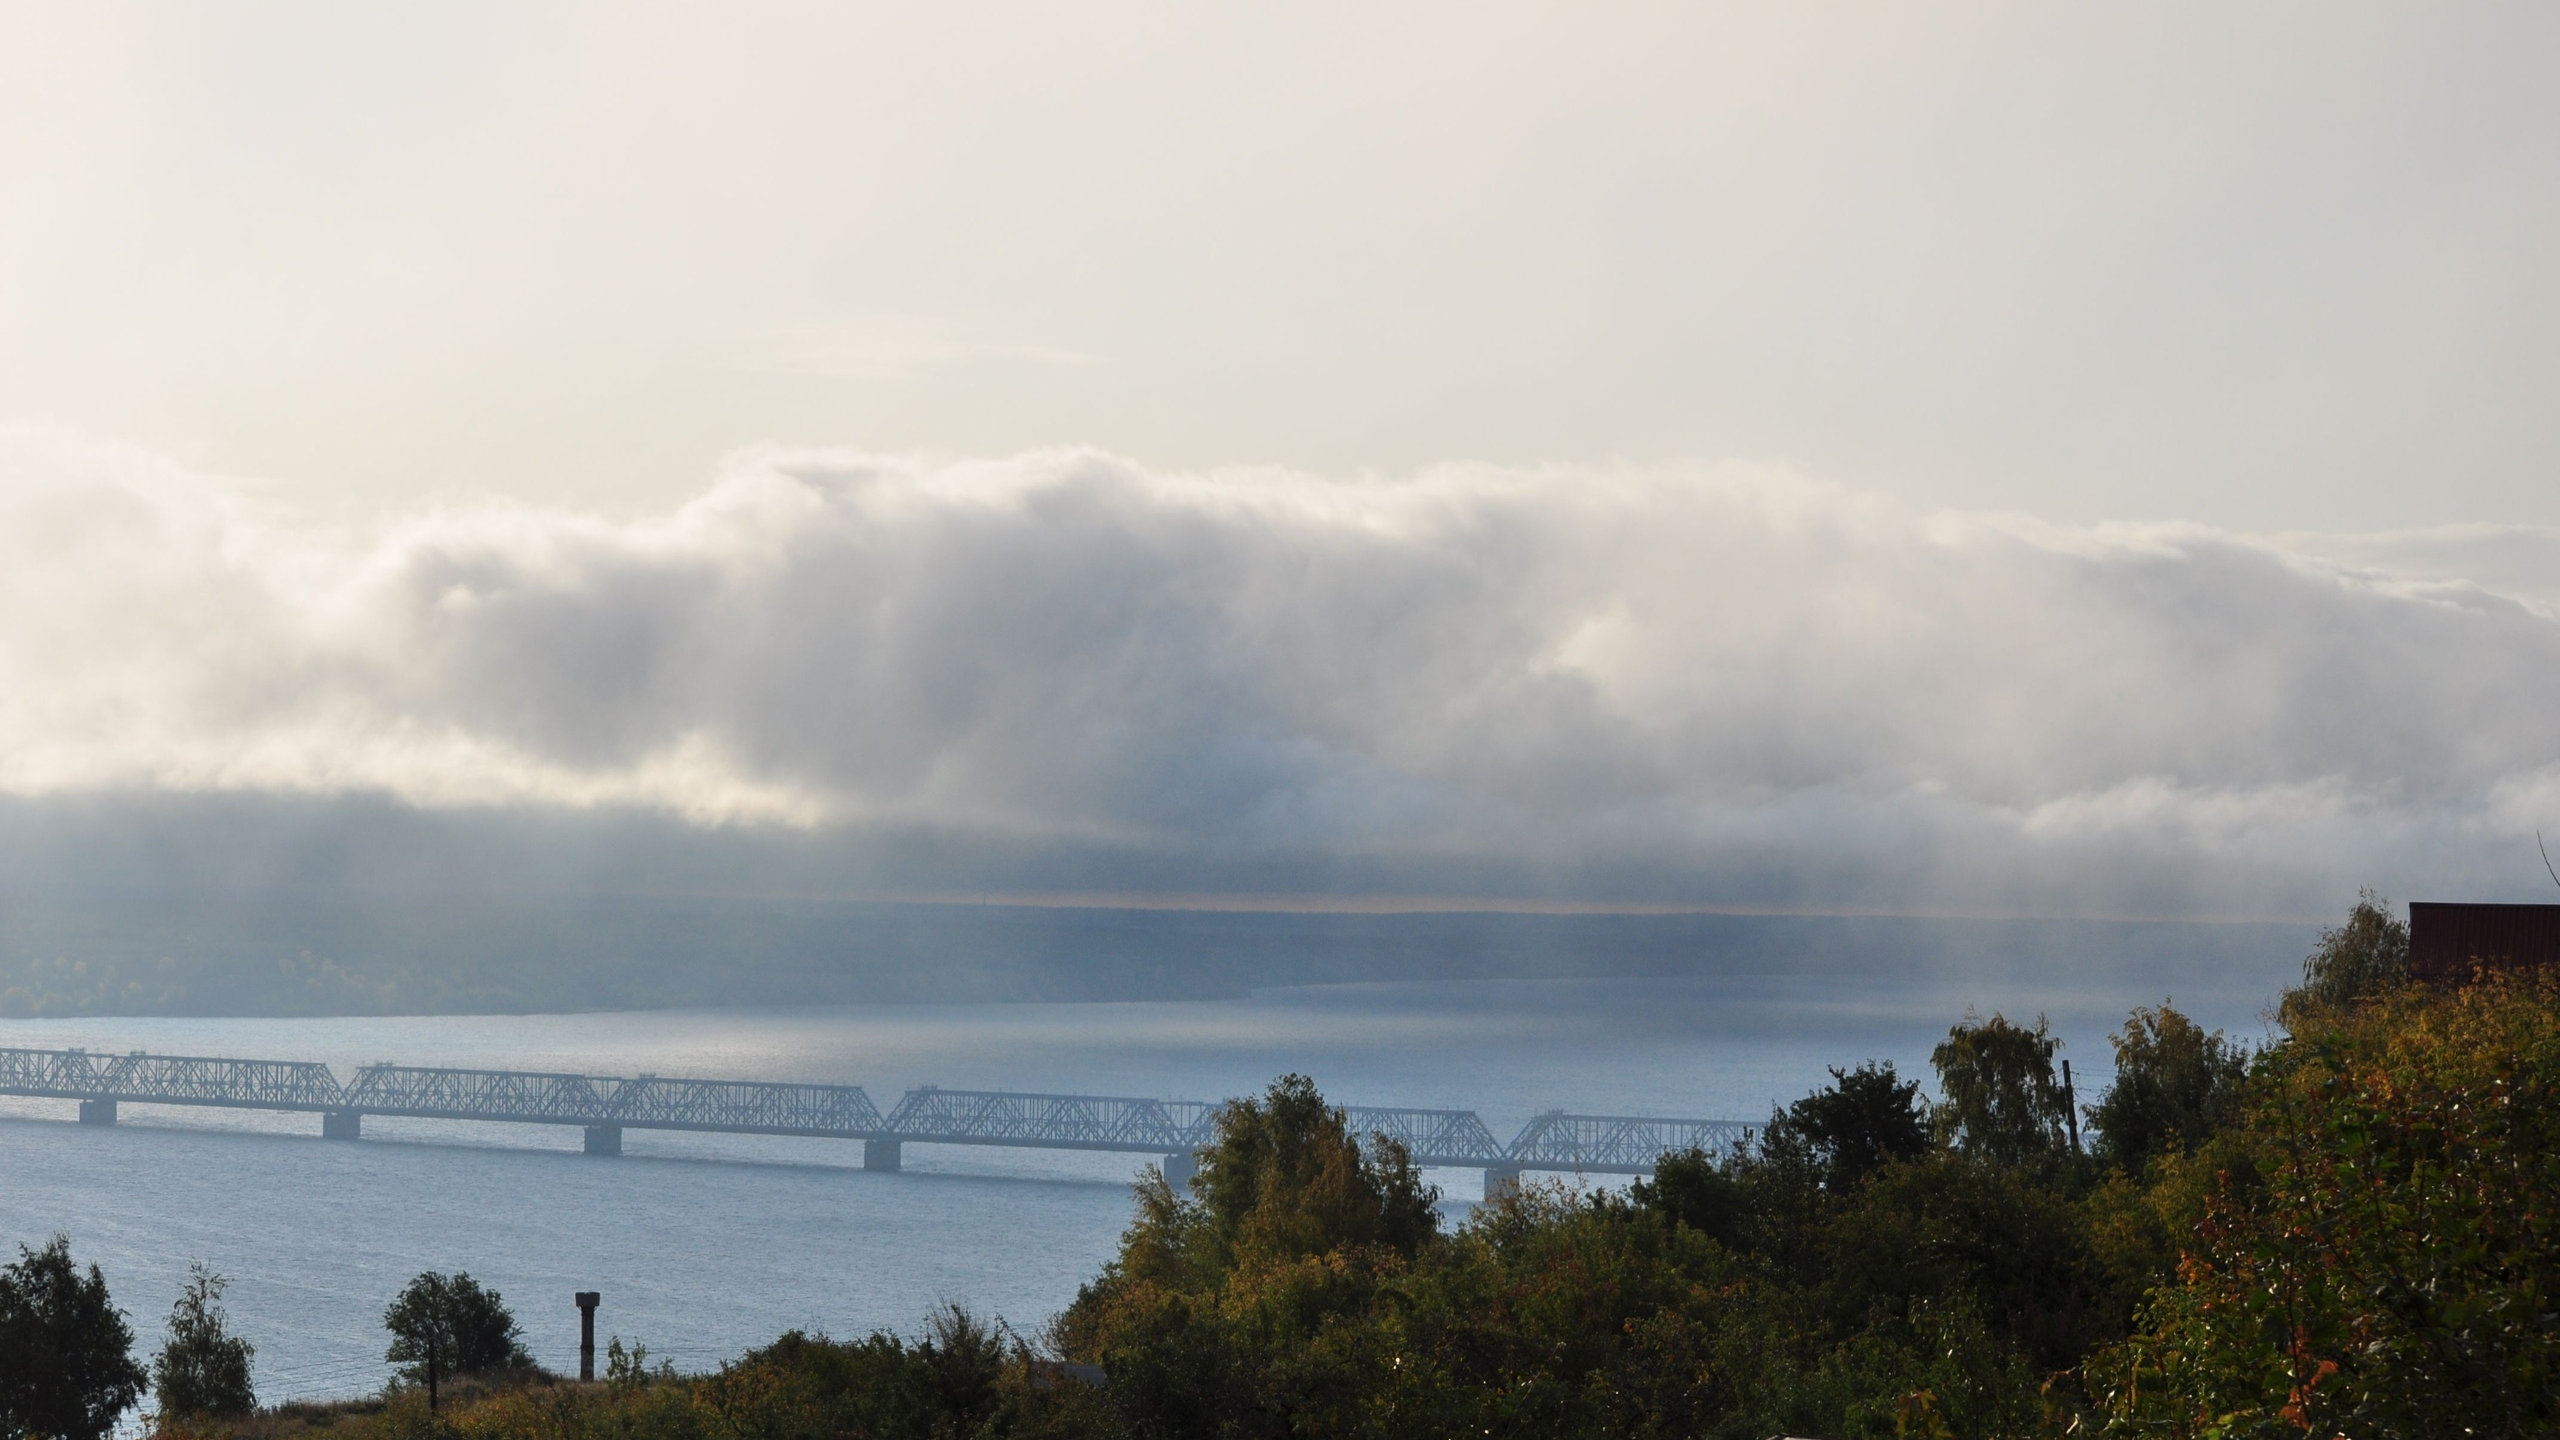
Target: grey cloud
x,y
1711,683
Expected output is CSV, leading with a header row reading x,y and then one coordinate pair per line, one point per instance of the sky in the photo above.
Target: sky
x,y
1967,458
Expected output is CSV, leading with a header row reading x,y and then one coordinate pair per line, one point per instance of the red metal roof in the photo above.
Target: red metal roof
x,y
2446,941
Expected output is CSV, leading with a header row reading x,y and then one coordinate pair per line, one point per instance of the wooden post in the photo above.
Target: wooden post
x,y
2071,1107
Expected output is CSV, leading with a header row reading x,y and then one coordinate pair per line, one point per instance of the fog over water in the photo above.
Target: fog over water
x,y
705,1244
839,673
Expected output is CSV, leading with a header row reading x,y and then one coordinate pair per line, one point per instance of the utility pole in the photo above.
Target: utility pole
x,y
2071,1107
587,1302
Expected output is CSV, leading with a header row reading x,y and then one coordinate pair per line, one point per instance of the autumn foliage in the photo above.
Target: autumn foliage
x,y
2375,1250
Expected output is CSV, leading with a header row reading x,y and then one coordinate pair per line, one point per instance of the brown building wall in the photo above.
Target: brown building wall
x,y
2446,940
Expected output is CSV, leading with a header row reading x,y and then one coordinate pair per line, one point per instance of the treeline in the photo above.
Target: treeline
x,y
2348,1233
53,986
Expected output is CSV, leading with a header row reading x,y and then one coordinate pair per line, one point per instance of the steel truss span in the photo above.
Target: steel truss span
x,y
1054,1122
1555,1141
1603,1144
1434,1137
170,1079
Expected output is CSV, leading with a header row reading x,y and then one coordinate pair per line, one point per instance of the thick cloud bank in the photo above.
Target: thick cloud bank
x,y
1669,685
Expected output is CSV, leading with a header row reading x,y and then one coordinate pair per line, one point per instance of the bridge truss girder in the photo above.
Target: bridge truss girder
x,y
1590,1144
170,1079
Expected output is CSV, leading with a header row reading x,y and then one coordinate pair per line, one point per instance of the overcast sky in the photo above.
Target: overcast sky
x,y
2056,458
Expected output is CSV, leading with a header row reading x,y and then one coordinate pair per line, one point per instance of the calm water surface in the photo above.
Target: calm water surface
x,y
704,1245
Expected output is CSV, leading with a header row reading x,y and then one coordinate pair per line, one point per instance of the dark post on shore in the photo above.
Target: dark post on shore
x,y
587,1300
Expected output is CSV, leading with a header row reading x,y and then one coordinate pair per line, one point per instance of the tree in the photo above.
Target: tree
x,y
2174,1085
2003,1102
66,1355
2366,956
1868,1118
1287,1177
203,1369
1293,1224
447,1325
1712,1196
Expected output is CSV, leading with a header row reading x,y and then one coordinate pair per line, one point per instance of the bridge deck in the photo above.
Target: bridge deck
x,y
1593,1144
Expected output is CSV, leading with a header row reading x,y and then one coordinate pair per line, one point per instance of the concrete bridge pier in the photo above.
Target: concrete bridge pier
x,y
880,1155
1500,1180
341,1124
97,1112
1178,1169
604,1139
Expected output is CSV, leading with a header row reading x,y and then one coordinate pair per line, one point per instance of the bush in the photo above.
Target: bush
x,y
2386,1266
963,1378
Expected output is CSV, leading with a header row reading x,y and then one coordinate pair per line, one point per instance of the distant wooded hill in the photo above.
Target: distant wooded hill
x,y
284,954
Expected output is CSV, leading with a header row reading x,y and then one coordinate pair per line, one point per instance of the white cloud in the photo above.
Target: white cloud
x,y
1643,683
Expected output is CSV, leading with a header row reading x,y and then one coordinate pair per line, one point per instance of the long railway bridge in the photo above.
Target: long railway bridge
x,y
606,1106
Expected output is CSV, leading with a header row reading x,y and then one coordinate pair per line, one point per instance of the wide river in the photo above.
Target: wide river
x,y
703,1245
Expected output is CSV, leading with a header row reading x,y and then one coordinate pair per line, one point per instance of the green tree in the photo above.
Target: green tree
x,y
1768,1194
202,1369
1957,1232
2002,1102
1866,1119
2365,956
1715,1197
1291,1227
2174,1086
444,1325
66,1355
